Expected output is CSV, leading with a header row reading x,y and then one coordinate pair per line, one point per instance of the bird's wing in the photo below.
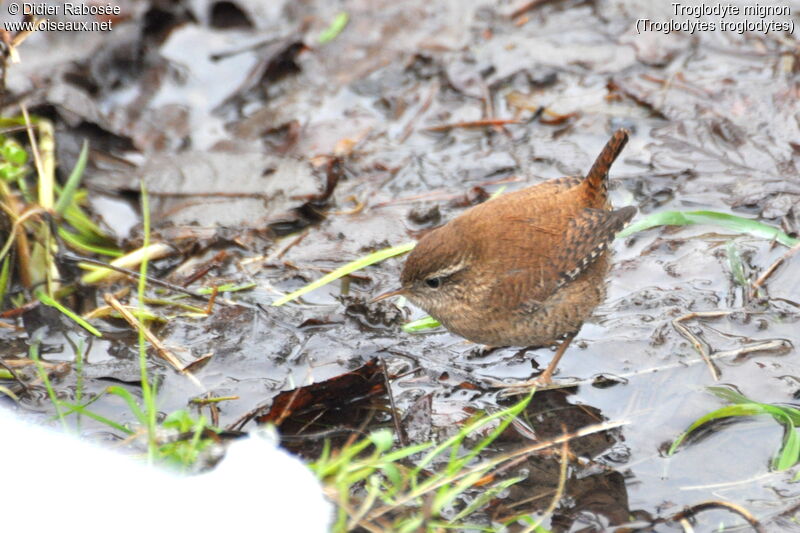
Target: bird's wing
x,y
587,237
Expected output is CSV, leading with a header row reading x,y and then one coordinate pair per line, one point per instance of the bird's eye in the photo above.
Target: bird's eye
x,y
433,283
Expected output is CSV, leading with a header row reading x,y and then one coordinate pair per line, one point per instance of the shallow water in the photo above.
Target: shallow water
x,y
233,165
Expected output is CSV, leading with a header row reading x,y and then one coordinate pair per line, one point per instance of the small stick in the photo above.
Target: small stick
x,y
135,275
162,350
435,196
562,481
718,504
395,419
20,238
15,375
688,335
294,242
474,124
409,127
22,363
527,6
11,326
216,399
769,271
212,299
202,271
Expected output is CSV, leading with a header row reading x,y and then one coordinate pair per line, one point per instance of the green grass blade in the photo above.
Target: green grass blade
x,y
228,287
790,412
787,416
7,392
148,389
487,495
728,411
76,240
128,398
790,450
407,451
777,411
73,181
47,300
736,264
382,439
488,439
5,274
726,220
421,324
448,493
500,190
83,405
94,416
729,395
80,221
336,27
33,353
512,412
349,268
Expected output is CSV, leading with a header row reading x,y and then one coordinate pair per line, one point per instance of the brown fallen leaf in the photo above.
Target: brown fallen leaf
x,y
338,391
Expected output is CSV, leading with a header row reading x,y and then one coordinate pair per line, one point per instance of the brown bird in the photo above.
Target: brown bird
x,y
525,268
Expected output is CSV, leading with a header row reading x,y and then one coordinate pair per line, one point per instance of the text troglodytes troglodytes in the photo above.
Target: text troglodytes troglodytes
x,y
525,268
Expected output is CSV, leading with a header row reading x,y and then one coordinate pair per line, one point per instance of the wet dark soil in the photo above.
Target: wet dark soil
x,y
295,156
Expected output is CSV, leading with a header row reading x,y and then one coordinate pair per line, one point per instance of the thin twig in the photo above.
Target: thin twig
x,y
356,518
562,481
718,504
769,271
14,375
134,274
527,6
205,269
395,418
341,499
21,239
409,127
435,196
359,206
20,37
474,124
37,158
212,299
700,347
161,350
292,244
731,484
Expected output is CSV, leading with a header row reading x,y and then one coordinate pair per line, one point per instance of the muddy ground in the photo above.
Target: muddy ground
x,y
294,156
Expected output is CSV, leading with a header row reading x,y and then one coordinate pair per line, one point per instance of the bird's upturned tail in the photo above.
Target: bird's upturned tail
x,y
597,178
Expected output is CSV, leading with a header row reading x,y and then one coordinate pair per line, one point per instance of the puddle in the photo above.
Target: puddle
x,y
294,161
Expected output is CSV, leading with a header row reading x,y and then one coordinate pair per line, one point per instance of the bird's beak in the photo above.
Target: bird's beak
x,y
396,292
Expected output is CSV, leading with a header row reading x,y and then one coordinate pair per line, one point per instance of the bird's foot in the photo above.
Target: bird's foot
x,y
482,350
543,380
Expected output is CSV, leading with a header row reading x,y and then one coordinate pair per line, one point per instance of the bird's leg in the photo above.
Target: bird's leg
x,y
546,377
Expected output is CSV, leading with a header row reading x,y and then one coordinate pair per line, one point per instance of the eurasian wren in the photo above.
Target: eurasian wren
x,y
525,268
